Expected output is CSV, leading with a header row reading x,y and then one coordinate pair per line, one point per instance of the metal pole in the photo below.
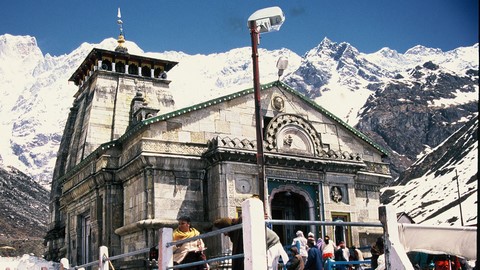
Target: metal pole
x,y
459,201
254,33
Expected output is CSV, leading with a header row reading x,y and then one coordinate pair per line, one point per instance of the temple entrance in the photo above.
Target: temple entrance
x,y
288,205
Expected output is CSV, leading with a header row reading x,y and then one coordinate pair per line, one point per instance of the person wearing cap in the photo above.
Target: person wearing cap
x,y
190,251
302,244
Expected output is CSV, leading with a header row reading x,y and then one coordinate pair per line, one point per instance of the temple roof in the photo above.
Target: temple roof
x,y
98,54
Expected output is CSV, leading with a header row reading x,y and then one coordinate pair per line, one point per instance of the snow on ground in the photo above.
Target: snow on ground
x,y
27,262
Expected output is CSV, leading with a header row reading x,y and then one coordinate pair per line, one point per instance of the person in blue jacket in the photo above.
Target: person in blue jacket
x,y
314,259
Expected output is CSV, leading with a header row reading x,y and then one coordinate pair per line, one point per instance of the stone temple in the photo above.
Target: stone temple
x,y
129,163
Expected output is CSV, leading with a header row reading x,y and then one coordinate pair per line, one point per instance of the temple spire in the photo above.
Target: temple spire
x,y
121,38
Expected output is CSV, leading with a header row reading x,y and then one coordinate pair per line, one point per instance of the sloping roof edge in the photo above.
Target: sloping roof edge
x,y
249,91
103,147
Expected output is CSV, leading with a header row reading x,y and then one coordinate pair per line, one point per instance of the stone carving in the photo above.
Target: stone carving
x,y
287,141
279,123
336,194
278,103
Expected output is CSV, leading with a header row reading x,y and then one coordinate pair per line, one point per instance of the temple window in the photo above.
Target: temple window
x,y
120,67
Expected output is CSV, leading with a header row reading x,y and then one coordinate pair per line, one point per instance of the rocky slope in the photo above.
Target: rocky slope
x,y
432,189
23,212
410,115
409,103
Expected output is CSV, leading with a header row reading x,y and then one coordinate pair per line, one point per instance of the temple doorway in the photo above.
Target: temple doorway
x,y
288,205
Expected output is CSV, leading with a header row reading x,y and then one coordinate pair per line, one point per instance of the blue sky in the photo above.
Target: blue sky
x,y
215,26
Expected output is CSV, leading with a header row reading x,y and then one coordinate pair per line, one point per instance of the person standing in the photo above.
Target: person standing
x,y
296,262
310,236
357,255
275,250
274,246
376,250
190,251
302,244
328,249
236,237
314,259
320,243
341,255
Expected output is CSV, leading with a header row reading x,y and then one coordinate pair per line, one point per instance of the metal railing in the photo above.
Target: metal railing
x,y
253,222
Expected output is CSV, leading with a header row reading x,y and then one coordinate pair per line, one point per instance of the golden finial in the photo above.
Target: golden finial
x,y
121,38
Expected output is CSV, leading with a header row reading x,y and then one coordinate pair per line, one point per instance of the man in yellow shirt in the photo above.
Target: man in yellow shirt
x,y
191,251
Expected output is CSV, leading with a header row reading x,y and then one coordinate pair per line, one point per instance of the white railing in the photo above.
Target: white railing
x,y
397,240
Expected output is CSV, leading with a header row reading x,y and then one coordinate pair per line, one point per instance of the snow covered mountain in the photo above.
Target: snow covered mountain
x,y
419,104
359,88
429,192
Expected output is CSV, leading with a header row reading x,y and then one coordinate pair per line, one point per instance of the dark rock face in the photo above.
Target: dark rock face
x,y
450,152
23,212
404,119
437,186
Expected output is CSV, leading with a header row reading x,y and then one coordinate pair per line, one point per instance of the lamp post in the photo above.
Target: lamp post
x,y
261,21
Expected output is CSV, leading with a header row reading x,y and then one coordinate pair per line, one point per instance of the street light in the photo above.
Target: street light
x,y
261,21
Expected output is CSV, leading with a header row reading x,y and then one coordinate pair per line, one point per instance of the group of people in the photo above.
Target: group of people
x,y
311,254
307,253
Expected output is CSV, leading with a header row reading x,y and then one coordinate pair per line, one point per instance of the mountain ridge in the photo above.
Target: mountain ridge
x,y
408,103
330,73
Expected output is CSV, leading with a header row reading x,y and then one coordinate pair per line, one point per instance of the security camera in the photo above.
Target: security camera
x,y
267,19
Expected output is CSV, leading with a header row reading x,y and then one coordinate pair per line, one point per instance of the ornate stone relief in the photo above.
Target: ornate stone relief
x,y
292,132
336,194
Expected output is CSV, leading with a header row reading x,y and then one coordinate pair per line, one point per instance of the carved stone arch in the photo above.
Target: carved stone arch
x,y
285,128
290,188
297,190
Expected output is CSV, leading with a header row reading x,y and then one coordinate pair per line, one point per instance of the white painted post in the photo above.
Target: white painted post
x,y
165,254
103,255
395,254
254,244
64,264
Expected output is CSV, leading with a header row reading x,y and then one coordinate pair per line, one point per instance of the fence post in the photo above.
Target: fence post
x,y
254,244
395,255
64,264
165,254
103,255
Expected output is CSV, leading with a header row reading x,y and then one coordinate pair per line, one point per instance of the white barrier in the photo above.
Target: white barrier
x,y
395,255
102,258
253,219
165,254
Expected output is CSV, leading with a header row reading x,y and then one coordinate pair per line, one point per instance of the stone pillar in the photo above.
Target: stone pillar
x,y
165,254
254,235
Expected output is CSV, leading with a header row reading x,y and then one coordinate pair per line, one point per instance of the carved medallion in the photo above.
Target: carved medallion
x,y
278,103
243,186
